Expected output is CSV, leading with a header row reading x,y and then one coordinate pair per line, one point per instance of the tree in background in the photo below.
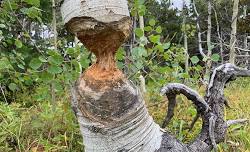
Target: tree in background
x,y
233,39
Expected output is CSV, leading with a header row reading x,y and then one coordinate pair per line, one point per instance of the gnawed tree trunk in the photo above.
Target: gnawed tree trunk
x,y
110,109
234,31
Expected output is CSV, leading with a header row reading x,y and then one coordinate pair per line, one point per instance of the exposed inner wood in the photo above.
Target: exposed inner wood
x,y
101,95
103,39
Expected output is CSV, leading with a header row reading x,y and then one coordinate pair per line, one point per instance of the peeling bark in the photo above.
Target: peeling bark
x,y
111,110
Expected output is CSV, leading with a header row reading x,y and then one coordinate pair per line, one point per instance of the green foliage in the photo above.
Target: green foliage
x,y
152,22
35,3
35,63
18,44
12,86
158,30
138,8
139,32
215,57
194,59
158,60
28,59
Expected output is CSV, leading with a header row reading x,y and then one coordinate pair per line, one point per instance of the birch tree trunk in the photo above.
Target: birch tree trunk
x,y
245,37
141,21
185,38
234,31
53,94
219,34
110,109
141,78
199,30
209,46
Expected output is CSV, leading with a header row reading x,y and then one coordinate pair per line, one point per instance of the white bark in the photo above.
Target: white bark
x,y
209,45
54,22
186,53
101,10
185,38
219,36
142,84
141,78
134,131
199,30
234,31
246,35
238,121
141,21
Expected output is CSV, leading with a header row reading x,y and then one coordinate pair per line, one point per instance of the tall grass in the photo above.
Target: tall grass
x,y
41,128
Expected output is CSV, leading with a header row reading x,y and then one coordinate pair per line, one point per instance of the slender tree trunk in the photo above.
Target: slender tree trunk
x,y
53,94
141,21
110,109
219,36
245,37
199,30
186,52
234,32
185,38
221,47
141,78
209,45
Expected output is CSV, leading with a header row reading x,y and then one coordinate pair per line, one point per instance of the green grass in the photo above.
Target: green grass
x,y
39,128
42,128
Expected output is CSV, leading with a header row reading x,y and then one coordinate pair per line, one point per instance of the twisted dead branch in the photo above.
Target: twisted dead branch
x,y
210,108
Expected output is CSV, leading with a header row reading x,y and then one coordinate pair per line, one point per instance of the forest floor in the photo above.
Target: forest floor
x,y
44,128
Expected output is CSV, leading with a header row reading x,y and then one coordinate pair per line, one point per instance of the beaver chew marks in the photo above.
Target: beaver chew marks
x,y
103,40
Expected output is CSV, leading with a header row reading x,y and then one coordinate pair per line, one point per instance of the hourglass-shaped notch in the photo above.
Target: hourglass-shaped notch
x,y
102,28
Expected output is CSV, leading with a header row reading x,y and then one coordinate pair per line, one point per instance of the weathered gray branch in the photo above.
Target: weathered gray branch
x,y
216,100
238,121
174,89
214,126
